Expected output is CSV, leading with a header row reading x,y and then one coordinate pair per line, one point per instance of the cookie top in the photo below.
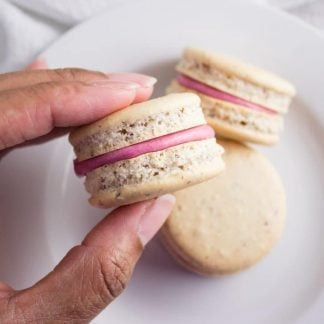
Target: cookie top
x,y
135,112
228,223
237,122
242,70
138,123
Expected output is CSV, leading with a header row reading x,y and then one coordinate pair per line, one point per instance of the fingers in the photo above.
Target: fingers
x,y
34,101
37,72
21,79
146,83
33,111
38,64
96,272
5,290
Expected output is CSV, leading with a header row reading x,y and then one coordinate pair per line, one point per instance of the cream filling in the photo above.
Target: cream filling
x,y
241,88
154,166
253,122
139,130
233,114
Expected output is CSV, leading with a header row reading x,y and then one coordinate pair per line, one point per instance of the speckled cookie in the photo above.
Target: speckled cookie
x,y
240,101
146,150
230,222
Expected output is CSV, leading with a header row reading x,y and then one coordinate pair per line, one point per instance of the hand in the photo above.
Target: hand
x,y
91,275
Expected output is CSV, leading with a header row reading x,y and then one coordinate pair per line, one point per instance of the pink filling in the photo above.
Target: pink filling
x,y
218,94
197,133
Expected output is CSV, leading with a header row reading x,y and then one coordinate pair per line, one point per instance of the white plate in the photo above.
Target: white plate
x,y
43,205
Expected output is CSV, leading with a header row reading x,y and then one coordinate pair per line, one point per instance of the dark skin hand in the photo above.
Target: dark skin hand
x,y
94,273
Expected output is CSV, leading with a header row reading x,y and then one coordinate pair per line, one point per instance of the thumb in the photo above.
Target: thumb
x,y
94,273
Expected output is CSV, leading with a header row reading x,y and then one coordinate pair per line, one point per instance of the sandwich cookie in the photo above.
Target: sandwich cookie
x,y
230,222
240,101
146,150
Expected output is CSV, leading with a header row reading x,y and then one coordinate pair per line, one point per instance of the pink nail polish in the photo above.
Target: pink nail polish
x,y
143,80
154,217
114,84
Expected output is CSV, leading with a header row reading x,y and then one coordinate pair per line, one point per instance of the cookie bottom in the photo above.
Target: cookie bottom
x,y
153,174
237,122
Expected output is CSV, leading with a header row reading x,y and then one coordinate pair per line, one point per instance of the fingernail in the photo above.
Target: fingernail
x,y
154,217
111,84
143,80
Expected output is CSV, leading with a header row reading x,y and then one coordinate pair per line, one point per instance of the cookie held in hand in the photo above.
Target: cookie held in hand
x,y
145,150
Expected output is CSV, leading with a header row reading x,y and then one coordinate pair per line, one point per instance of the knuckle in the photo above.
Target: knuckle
x,y
74,74
65,90
55,92
36,92
115,270
66,74
22,110
10,311
103,274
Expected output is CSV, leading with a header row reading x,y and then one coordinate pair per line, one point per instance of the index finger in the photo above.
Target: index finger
x,y
31,112
21,79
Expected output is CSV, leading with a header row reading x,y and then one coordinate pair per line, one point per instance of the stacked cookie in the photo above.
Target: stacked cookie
x,y
240,101
232,221
145,150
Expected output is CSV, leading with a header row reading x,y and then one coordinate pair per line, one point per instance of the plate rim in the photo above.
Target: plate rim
x,y
277,11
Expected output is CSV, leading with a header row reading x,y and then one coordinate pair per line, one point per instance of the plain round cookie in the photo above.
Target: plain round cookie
x,y
230,222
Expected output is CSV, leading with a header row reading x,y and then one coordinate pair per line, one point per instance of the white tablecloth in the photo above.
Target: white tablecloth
x,y
29,26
